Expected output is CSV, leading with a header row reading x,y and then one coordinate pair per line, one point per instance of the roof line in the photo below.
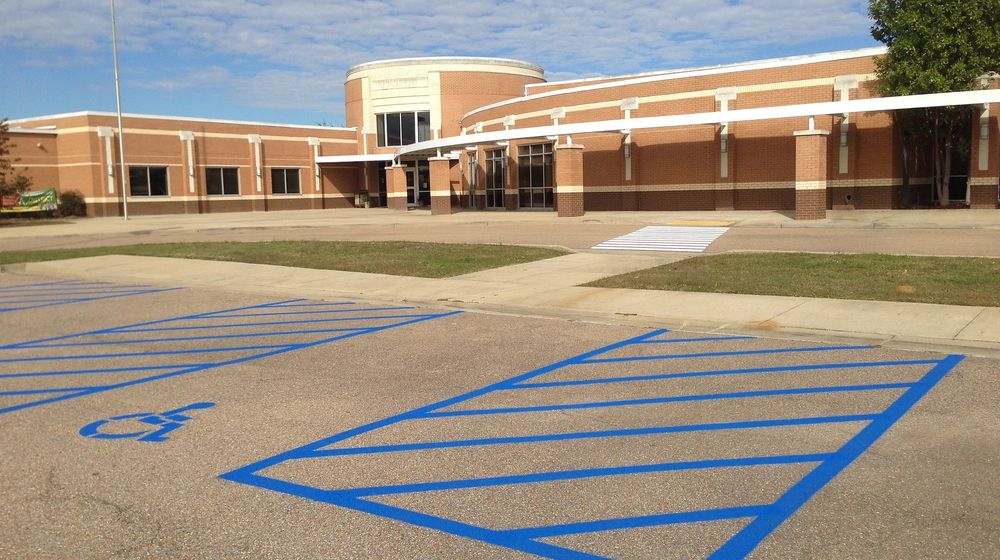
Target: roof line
x,y
19,130
877,104
174,118
442,59
619,81
354,158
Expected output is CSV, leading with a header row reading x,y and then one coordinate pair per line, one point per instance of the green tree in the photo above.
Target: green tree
x,y
937,46
10,181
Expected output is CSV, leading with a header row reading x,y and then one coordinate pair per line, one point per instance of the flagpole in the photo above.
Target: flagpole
x,y
118,102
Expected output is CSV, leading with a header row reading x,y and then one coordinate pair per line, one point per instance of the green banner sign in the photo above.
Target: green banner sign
x,y
36,201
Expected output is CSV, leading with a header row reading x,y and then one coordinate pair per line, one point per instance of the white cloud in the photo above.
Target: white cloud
x,y
295,52
198,77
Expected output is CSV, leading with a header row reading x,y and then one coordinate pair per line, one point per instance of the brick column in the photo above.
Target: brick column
x,y
440,168
569,180
810,174
395,186
984,166
510,179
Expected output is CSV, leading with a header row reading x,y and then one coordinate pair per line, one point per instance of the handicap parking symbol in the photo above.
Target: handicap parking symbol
x,y
162,423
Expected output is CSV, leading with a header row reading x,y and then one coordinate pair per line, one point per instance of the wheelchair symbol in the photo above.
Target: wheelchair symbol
x,y
165,422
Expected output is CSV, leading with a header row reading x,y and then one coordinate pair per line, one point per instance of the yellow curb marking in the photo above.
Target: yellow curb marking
x,y
711,223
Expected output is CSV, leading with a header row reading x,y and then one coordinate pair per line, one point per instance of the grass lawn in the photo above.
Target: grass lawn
x,y
429,260
948,280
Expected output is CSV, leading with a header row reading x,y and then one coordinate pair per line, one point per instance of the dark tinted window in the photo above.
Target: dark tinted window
x,y
222,180
285,181
147,181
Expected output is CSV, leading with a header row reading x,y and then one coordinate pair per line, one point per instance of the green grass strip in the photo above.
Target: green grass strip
x,y
945,280
427,260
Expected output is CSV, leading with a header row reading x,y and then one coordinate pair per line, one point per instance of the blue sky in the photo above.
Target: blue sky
x,y
285,61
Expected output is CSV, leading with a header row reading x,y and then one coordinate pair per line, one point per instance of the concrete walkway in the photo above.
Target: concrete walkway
x,y
841,219
905,232
550,288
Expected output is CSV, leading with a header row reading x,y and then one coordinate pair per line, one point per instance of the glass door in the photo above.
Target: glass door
x,y
495,175
423,183
411,185
418,183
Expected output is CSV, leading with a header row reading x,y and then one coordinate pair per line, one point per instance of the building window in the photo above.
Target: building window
x,y
147,181
285,181
495,165
222,181
402,129
534,175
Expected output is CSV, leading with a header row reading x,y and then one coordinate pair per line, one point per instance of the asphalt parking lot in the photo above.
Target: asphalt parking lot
x,y
189,423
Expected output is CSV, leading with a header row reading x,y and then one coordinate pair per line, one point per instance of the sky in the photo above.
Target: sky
x,y
284,61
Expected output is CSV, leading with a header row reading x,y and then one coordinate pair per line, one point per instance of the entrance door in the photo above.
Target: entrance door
x,y
411,186
418,183
424,182
495,174
382,199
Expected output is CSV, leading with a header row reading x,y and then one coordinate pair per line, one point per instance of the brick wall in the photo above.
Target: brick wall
x,y
78,161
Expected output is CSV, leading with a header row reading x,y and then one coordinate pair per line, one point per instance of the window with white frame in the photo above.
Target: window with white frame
x,y
402,129
285,181
221,181
144,180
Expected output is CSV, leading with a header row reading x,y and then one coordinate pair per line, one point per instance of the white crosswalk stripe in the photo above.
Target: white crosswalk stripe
x,y
679,239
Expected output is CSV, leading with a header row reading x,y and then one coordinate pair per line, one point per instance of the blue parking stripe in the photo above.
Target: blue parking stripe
x,y
249,352
600,434
124,327
45,285
58,294
671,399
317,312
757,530
271,323
499,538
577,474
151,353
695,339
67,301
189,338
314,304
308,449
98,371
762,517
39,391
725,353
738,512
710,373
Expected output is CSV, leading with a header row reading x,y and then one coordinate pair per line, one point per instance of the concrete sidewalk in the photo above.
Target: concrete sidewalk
x,y
842,219
909,232
550,288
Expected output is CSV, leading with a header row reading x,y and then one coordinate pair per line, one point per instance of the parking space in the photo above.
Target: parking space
x,y
58,368
21,297
211,424
520,503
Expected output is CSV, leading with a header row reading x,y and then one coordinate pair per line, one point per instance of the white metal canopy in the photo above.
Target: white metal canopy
x,y
877,104
357,158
